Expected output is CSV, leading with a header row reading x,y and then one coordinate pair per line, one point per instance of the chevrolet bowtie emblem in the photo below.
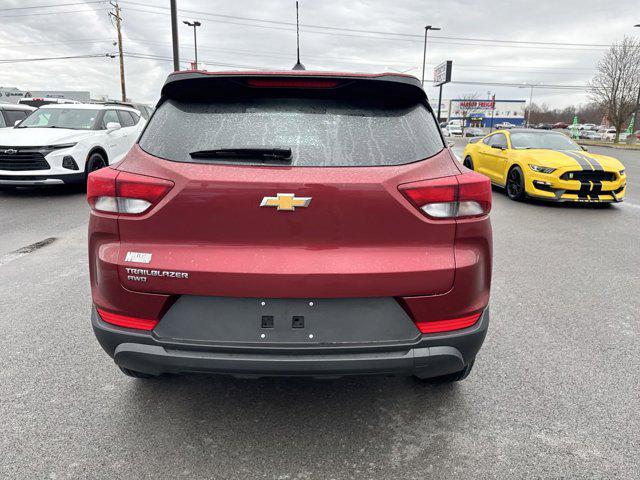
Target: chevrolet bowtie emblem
x,y
286,201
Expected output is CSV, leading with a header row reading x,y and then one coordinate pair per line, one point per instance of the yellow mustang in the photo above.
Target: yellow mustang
x,y
545,165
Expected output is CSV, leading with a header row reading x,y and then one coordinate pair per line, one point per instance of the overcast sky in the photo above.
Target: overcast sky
x,y
356,35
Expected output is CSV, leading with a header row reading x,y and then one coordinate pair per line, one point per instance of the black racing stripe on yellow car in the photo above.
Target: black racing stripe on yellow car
x,y
594,163
596,189
585,188
585,165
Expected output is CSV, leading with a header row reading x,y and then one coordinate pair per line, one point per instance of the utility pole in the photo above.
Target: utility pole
x,y
424,53
174,36
118,19
195,25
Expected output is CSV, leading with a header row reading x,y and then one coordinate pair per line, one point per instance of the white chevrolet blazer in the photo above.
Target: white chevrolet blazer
x,y
61,144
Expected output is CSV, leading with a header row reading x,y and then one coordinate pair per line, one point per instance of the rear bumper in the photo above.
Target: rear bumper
x,y
427,356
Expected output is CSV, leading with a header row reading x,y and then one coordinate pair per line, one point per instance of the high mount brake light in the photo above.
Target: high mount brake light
x,y
462,196
438,326
294,83
127,321
124,193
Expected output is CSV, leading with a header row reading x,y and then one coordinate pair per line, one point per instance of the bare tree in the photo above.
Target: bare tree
x,y
616,82
469,104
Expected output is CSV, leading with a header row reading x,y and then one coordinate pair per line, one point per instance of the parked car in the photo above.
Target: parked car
x,y
589,126
60,144
544,126
590,135
41,101
609,134
145,110
547,166
454,130
473,132
561,125
11,113
505,126
207,257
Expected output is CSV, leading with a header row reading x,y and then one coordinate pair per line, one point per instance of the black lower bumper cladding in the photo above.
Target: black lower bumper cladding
x,y
425,356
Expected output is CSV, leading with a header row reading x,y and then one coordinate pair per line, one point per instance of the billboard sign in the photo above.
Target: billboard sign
x,y
442,73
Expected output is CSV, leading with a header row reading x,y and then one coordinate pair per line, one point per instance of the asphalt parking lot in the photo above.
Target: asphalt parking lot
x,y
554,393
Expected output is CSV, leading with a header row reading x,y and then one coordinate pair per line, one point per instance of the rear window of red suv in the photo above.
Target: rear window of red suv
x,y
319,132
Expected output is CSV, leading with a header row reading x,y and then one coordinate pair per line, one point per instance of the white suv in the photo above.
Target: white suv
x,y
60,144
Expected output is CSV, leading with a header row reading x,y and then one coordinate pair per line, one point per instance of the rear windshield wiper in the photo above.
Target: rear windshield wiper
x,y
252,153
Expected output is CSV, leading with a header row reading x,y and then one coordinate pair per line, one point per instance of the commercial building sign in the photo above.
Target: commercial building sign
x,y
442,73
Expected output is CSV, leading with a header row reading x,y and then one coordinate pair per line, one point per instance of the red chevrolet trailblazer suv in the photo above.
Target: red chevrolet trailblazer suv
x,y
290,223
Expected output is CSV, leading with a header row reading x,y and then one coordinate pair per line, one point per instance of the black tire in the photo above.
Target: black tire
x,y
468,162
451,377
95,162
134,374
515,184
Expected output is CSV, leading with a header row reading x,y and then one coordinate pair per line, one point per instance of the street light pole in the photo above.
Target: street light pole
x,y
424,53
195,25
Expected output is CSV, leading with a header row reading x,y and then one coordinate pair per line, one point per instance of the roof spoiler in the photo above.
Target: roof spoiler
x,y
203,86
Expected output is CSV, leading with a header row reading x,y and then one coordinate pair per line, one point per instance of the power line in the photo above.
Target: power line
x,y
148,56
23,60
520,85
53,13
376,32
69,42
50,6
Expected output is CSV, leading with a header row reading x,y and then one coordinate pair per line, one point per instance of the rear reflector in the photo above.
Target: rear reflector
x,y
111,191
275,83
461,196
438,326
126,321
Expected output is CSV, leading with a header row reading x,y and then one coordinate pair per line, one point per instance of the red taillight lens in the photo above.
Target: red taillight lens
x,y
111,191
126,321
438,326
462,196
293,83
473,188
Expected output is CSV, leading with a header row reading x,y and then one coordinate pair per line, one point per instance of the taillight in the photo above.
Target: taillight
x,y
127,321
111,191
438,326
461,196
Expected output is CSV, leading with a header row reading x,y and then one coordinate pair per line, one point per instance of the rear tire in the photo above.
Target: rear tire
x,y
468,162
134,374
515,184
451,377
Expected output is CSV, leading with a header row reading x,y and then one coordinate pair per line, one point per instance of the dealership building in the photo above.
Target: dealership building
x,y
479,113
13,95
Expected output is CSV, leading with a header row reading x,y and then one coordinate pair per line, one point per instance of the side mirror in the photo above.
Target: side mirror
x,y
113,126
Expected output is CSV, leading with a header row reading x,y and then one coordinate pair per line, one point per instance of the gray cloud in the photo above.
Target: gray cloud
x,y
240,42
